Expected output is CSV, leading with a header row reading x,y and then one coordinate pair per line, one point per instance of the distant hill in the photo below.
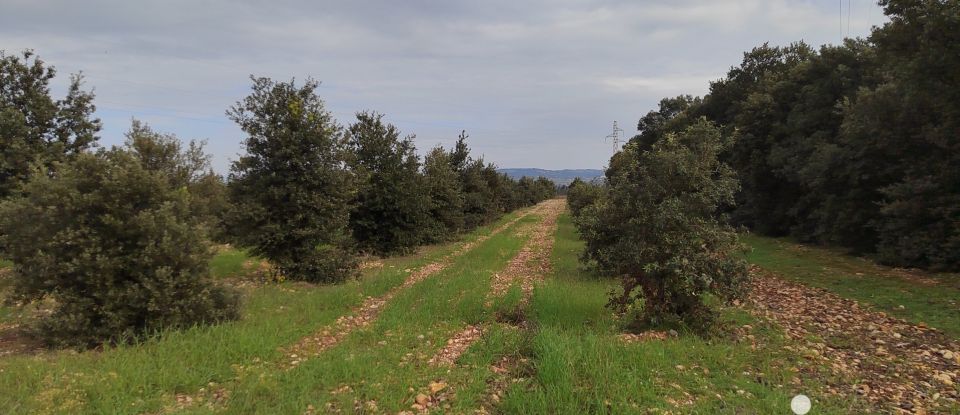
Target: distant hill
x,y
558,176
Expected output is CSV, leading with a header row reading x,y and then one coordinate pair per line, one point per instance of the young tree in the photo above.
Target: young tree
x,y
658,231
292,190
545,189
116,248
391,207
35,129
446,196
184,166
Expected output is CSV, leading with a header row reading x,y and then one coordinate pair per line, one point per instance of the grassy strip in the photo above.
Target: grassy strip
x,y
579,365
930,298
141,378
229,263
377,367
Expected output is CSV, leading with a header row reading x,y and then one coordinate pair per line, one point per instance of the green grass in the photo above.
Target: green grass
x,y
936,302
572,358
581,366
229,263
5,263
143,378
382,362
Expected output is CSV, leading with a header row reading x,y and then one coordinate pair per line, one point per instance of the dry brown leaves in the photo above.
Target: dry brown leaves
x,y
899,367
456,345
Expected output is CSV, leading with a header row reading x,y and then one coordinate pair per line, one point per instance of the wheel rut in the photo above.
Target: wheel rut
x,y
527,268
216,396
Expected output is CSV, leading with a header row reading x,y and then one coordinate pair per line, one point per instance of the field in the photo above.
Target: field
x,y
506,320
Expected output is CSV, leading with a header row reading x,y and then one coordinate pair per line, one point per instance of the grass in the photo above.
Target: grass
x,y
568,351
933,299
581,366
229,263
143,377
382,363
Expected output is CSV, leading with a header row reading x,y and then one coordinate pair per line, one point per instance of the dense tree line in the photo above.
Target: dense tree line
x,y
119,238
855,145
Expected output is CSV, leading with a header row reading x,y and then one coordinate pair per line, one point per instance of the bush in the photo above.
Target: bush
x,y
184,166
656,228
116,249
291,192
581,194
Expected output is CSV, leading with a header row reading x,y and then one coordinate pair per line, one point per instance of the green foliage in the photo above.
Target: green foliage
x,y
854,145
487,194
391,207
291,192
115,247
581,195
445,195
35,129
187,167
656,228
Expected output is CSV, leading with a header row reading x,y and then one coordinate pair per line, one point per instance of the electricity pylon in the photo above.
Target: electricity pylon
x,y
615,135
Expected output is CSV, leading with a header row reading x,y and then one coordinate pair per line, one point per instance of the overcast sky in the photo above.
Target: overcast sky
x,y
534,83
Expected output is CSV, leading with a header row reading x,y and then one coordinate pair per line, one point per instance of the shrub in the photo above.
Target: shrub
x,y
116,249
184,166
581,194
291,192
656,228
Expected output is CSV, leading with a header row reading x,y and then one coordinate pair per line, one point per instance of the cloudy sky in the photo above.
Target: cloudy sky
x,y
535,83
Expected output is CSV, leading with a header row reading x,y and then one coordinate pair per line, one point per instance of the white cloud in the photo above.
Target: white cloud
x,y
669,85
517,74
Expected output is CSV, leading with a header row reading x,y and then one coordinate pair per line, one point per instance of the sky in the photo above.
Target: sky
x,y
535,83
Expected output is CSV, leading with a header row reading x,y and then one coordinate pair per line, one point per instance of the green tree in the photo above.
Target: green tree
x,y
291,191
906,134
445,194
116,248
545,188
35,129
185,165
657,229
581,194
390,212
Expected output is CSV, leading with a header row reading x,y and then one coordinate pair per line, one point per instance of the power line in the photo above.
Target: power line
x,y
615,136
848,17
